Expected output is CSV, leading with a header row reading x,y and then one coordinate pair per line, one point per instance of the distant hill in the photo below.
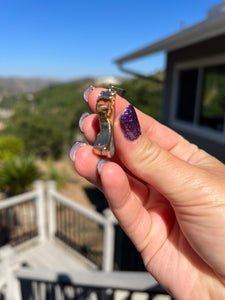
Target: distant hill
x,y
16,86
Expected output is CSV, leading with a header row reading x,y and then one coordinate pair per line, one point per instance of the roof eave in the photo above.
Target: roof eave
x,y
211,27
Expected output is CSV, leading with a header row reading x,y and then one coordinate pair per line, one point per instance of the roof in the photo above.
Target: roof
x,y
213,26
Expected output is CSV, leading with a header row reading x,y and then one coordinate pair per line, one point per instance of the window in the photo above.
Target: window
x,y
187,95
213,99
200,96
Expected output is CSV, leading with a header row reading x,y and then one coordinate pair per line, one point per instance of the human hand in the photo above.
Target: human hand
x,y
169,198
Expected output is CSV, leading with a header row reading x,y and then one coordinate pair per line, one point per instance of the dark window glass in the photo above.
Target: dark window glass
x,y
213,98
187,94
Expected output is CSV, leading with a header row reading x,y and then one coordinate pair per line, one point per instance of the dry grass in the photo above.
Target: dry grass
x,y
72,185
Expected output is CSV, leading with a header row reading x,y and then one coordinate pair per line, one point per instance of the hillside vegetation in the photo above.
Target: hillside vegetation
x,y
47,120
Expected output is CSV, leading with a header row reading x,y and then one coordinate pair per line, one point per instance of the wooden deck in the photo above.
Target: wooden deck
x,y
47,256
52,255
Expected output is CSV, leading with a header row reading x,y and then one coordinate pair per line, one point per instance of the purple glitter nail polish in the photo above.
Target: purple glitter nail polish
x,y
87,92
130,124
83,116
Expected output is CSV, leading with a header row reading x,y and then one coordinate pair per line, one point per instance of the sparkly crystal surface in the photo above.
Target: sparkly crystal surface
x,y
130,124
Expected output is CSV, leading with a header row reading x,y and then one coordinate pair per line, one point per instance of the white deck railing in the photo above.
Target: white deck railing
x,y
37,195
88,285
106,223
127,281
8,206
46,228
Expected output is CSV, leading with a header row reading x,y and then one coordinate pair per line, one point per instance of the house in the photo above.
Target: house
x,y
193,101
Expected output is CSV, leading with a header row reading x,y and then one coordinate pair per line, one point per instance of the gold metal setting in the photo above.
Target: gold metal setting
x,y
105,108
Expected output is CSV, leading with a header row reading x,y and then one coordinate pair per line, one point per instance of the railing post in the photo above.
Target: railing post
x,y
108,243
40,208
51,187
6,256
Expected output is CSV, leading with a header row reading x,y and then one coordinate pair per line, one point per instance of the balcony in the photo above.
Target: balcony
x,y
54,248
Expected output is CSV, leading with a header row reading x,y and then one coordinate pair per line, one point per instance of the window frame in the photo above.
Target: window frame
x,y
194,127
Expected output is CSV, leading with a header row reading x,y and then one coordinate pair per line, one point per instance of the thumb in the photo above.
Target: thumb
x,y
170,175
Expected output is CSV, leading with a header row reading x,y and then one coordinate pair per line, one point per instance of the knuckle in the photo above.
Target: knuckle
x,y
148,154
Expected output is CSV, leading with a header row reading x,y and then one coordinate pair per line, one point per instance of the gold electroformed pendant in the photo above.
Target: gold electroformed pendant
x,y
105,108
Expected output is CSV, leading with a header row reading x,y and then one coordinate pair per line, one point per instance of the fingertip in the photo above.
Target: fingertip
x,y
87,92
81,120
85,162
90,128
109,169
101,164
74,149
92,96
114,181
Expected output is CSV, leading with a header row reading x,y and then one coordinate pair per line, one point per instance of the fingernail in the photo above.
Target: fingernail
x,y
74,149
101,164
83,116
87,92
129,123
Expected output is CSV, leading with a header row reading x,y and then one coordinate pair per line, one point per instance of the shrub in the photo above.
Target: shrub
x,y
17,174
53,174
10,146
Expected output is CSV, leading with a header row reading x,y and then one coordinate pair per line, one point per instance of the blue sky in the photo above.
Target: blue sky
x,y
73,39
